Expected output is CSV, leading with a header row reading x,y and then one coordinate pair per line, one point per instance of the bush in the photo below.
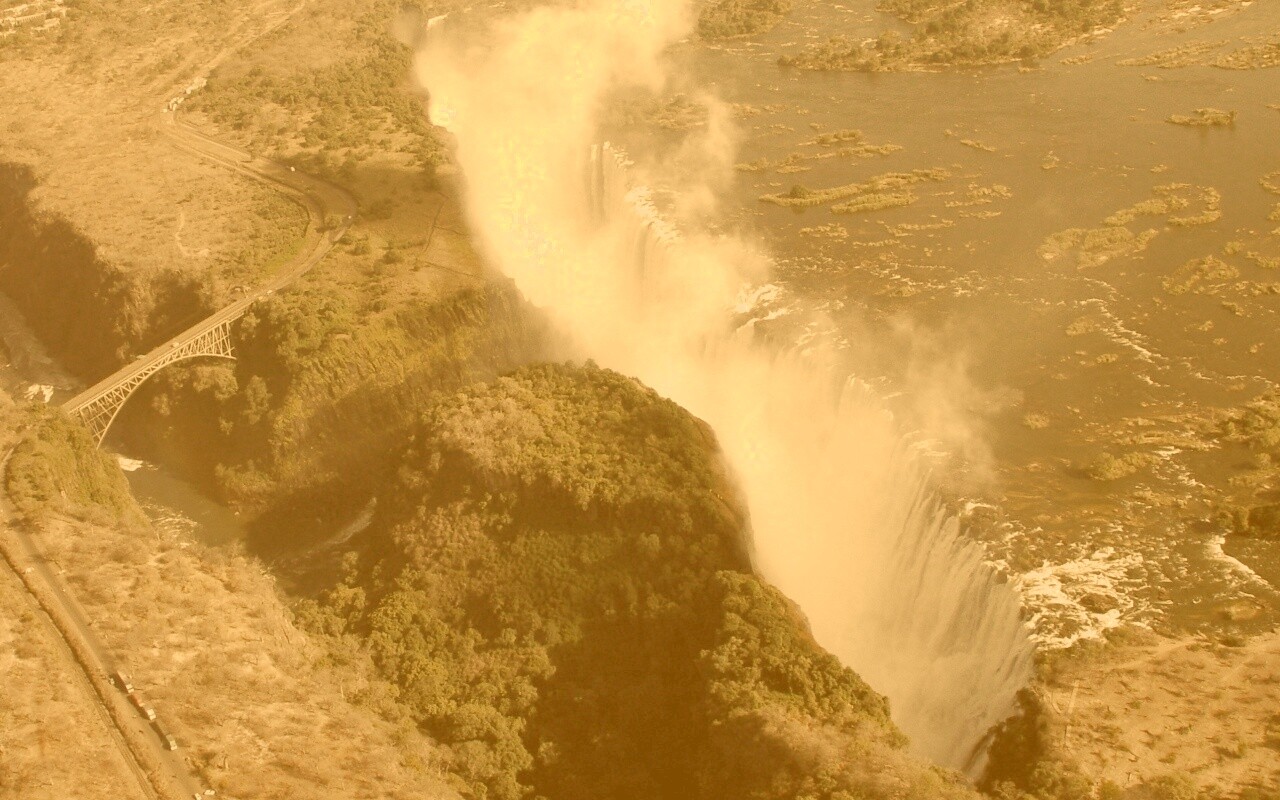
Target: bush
x,y
723,19
57,468
1107,467
557,584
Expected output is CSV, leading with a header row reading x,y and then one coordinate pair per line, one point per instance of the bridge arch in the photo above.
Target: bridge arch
x,y
98,406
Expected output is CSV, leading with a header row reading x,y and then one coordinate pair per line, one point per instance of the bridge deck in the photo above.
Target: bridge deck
x,y
158,357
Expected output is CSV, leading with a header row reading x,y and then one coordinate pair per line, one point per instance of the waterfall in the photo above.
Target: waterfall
x,y
843,521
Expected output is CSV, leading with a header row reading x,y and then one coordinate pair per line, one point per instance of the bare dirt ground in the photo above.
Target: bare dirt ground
x,y
1188,705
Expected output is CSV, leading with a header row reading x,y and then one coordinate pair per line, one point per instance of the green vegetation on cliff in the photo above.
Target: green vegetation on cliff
x,y
556,584
1020,767
328,381
56,467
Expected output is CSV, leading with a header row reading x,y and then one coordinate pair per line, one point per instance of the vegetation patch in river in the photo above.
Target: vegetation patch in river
x,y
976,195
886,184
1199,275
976,145
727,19
965,33
848,143
1255,56
877,201
1271,182
1205,118
1096,246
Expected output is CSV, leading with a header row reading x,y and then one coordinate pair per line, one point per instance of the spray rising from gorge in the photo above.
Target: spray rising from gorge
x,y
842,517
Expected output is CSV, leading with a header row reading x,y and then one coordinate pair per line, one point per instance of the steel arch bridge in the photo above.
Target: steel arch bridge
x,y
98,406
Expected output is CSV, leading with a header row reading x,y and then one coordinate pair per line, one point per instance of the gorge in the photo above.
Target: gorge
x,y
842,518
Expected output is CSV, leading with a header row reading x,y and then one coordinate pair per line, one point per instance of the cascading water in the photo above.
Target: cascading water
x,y
855,537
843,521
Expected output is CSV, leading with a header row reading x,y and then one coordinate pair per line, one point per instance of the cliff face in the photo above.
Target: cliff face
x,y
57,468
91,315
556,584
300,429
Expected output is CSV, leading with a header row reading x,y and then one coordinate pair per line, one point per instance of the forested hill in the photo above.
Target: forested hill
x,y
557,586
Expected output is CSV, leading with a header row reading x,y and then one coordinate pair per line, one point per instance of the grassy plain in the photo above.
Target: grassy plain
x,y
83,105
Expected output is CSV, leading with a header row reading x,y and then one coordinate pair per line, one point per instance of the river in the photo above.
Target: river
x,y
1010,369
1015,369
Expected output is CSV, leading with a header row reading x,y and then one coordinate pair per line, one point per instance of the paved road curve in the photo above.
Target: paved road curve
x,y
322,201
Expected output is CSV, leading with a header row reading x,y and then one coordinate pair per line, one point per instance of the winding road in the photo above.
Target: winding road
x,y
330,212
160,772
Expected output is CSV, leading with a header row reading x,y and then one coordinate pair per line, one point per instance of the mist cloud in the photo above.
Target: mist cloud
x,y
842,518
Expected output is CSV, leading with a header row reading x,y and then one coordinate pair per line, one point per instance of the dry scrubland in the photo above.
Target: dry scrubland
x,y
263,710
54,741
259,709
82,108
330,92
324,86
